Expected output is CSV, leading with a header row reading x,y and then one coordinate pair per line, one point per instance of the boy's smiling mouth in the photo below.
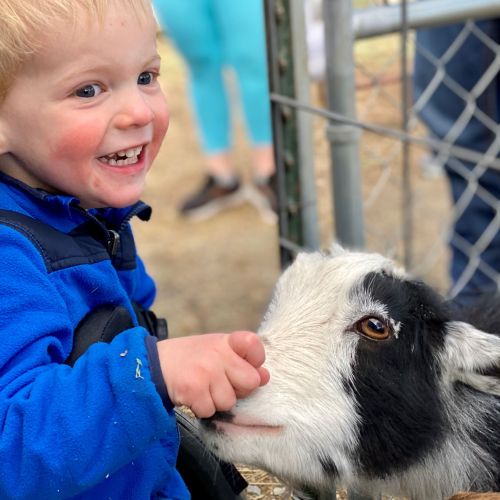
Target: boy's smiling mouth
x,y
125,157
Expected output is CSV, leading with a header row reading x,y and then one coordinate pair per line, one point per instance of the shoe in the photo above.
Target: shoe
x,y
268,196
211,199
264,199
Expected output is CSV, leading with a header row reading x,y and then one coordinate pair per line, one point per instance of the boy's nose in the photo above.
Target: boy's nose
x,y
135,111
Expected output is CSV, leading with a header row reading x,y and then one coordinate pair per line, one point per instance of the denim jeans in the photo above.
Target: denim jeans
x,y
465,67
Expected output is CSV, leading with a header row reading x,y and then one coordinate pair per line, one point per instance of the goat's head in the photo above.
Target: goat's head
x,y
364,363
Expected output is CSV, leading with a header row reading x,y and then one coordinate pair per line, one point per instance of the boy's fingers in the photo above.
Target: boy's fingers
x,y
264,375
245,389
243,378
248,346
223,394
203,407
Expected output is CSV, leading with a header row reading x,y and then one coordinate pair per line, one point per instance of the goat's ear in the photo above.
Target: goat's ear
x,y
469,353
470,349
336,249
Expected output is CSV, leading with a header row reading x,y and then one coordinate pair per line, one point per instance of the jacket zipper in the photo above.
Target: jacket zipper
x,y
112,235
113,242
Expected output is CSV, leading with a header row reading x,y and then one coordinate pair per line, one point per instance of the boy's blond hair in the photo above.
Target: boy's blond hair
x,y
23,24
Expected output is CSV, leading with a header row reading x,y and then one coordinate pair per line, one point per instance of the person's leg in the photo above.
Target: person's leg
x,y
192,28
476,213
243,39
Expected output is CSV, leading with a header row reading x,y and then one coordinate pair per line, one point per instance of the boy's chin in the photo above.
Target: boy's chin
x,y
116,201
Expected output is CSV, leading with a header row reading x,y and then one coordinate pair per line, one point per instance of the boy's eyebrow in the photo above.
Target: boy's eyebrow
x,y
155,58
101,67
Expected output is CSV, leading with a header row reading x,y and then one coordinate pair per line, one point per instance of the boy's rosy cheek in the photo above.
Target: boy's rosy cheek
x,y
161,127
163,122
75,141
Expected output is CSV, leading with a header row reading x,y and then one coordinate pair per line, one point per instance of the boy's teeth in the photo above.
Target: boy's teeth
x,y
126,157
126,161
129,153
132,152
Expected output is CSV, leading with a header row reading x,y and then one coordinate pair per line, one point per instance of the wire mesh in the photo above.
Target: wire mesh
x,y
428,178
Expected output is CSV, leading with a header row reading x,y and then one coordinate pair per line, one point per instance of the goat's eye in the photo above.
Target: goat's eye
x,y
373,328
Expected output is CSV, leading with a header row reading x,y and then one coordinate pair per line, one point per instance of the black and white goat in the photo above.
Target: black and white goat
x,y
376,385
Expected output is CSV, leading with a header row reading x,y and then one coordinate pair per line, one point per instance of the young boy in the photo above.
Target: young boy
x,y
82,117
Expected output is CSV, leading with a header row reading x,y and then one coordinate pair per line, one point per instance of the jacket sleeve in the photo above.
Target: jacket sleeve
x,y
64,429
145,291
139,284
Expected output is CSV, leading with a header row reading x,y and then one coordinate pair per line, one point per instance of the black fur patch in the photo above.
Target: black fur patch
x,y
396,379
329,467
483,313
347,385
221,416
485,432
208,424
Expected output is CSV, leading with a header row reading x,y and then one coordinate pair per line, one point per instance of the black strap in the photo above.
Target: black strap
x,y
206,476
100,325
87,243
58,250
157,327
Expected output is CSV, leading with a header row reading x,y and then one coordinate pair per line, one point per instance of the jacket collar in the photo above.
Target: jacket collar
x,y
70,205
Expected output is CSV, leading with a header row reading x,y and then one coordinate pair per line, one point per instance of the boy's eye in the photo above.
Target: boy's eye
x,y
146,78
91,90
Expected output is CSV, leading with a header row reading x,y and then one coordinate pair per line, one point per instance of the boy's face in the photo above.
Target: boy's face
x,y
86,116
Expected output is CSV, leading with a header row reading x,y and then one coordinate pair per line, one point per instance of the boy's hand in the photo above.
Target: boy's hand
x,y
209,372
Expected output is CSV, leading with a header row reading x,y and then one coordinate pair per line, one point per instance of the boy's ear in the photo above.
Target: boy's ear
x,y
4,148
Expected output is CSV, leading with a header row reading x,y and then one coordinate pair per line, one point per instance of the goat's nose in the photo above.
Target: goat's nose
x,y
218,416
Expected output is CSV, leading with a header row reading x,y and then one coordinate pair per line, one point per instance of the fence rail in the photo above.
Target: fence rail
x,y
381,20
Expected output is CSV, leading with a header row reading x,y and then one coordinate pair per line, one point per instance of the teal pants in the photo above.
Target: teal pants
x,y
211,36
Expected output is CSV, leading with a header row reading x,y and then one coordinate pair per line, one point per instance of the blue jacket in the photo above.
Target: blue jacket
x,y
99,429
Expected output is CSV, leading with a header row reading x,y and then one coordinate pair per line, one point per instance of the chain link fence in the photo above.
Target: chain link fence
x,y
386,119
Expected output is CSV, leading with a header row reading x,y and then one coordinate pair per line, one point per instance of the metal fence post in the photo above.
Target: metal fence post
x,y
294,172
344,139
304,127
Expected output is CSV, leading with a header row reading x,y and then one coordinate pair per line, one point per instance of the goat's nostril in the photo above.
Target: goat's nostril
x,y
218,416
223,416
208,424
